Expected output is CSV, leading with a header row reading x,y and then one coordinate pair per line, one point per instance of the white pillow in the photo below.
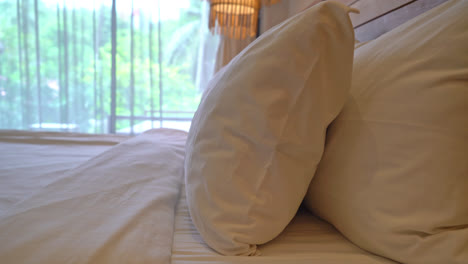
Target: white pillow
x,y
259,132
394,175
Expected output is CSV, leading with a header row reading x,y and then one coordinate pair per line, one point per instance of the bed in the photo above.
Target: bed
x,y
43,158
78,198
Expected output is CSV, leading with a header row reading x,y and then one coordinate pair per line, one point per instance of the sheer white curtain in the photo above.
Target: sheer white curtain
x,y
100,66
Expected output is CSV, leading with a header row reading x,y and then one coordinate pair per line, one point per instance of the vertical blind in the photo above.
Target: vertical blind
x,y
102,66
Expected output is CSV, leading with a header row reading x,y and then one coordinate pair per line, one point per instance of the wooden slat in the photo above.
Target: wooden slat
x,y
303,5
346,2
387,22
388,13
371,9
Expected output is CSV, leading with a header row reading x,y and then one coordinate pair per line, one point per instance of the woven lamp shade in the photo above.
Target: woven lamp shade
x,y
237,19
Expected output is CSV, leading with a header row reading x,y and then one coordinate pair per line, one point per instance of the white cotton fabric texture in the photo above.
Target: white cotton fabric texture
x,y
33,159
117,207
394,175
259,131
30,161
306,240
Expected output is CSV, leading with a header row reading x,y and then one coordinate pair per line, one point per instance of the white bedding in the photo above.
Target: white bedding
x,y
117,207
306,240
31,160
70,199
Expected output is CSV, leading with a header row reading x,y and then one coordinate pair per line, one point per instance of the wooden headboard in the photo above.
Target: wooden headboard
x,y
380,16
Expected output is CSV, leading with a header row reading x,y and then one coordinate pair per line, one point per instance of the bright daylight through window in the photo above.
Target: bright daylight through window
x,y
57,57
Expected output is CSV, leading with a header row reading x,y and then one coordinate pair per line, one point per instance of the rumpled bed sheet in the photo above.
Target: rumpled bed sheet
x,y
117,207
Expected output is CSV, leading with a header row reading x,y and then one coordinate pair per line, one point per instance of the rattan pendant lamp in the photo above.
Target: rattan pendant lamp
x,y
237,19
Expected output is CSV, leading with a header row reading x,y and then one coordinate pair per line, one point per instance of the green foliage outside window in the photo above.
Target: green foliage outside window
x,y
86,103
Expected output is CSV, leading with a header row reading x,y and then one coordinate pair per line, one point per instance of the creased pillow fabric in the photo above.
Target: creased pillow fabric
x,y
259,131
394,174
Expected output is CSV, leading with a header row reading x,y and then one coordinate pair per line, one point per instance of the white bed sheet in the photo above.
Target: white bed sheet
x,y
116,207
32,160
306,240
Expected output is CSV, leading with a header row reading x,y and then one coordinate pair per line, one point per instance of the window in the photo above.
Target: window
x,y
56,64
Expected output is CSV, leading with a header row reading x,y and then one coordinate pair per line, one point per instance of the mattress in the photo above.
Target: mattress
x,y
31,161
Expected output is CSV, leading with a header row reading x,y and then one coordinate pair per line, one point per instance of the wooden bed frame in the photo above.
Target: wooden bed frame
x,y
380,16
